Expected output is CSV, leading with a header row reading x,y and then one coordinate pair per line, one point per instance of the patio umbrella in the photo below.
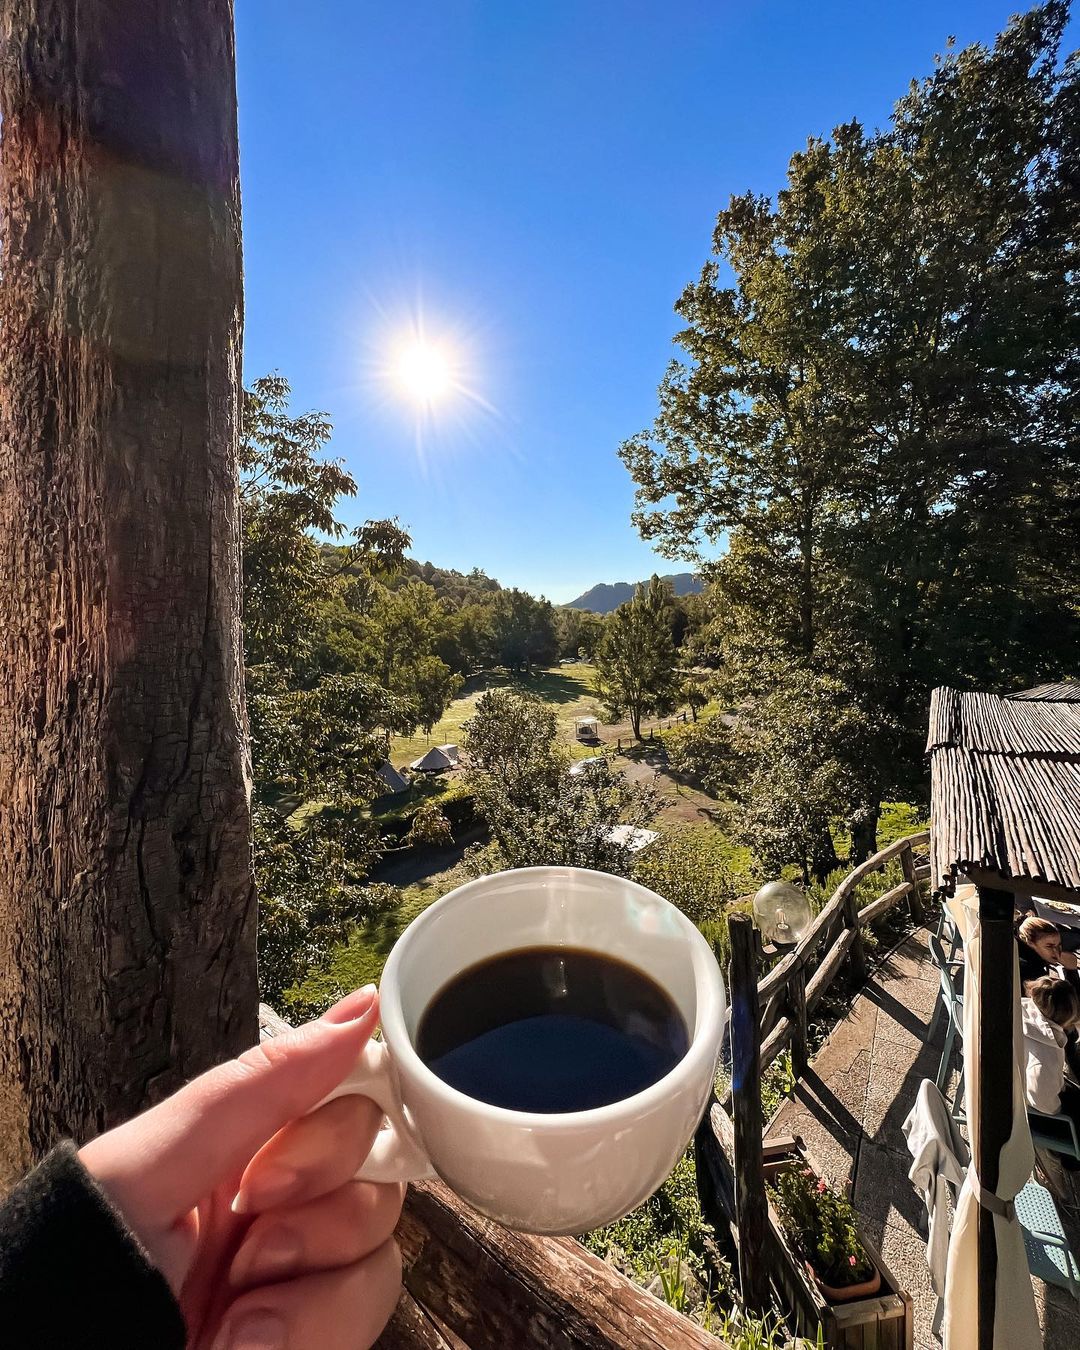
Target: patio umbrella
x,y
1016,1326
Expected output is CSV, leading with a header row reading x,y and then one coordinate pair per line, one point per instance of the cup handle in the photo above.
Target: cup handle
x,y
397,1154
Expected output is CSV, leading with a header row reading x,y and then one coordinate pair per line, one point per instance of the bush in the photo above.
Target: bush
x,y
698,869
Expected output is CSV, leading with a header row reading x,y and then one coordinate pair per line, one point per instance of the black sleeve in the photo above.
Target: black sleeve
x,y
71,1274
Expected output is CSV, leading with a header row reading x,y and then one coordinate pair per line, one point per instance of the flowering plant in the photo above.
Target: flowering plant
x,y
820,1225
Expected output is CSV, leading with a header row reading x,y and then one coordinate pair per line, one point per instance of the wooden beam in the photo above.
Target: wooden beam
x,y
1046,890
751,1204
858,956
883,903
482,1286
714,1153
915,904
996,1060
799,1030
829,968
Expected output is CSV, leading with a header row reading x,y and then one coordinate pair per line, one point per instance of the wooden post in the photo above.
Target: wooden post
x,y
796,1001
907,864
851,920
750,1204
996,1058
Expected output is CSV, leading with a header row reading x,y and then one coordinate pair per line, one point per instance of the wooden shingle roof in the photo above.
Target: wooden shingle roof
x,y
1005,789
1064,691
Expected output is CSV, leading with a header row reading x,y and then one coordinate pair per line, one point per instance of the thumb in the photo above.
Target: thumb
x,y
158,1166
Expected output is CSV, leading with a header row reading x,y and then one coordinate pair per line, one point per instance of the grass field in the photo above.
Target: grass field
x,y
567,689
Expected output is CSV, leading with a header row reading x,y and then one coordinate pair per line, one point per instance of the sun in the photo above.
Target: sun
x,y
423,371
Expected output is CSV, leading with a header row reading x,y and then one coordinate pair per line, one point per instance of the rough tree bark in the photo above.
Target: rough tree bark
x,y
127,912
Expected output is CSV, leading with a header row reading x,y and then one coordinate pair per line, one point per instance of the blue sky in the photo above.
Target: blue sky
x,y
539,180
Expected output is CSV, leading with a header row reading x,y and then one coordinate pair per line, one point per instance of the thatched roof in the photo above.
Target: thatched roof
x,y
1065,691
1005,788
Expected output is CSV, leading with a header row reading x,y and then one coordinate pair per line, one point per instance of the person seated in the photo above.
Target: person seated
x,y
1049,1013
1040,951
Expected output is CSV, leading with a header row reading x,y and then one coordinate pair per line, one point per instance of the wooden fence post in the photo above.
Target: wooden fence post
x,y
796,1001
851,920
750,1204
915,906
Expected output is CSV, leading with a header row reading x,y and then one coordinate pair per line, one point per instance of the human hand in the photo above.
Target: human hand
x,y
248,1205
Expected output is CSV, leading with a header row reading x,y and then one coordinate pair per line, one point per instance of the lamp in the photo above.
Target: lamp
x,y
781,913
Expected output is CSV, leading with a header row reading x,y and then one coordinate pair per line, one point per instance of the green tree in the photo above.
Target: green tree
x,y
538,813
880,412
335,662
635,663
693,691
523,631
591,635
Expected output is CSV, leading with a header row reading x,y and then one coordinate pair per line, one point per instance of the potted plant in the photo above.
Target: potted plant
x,y
820,1225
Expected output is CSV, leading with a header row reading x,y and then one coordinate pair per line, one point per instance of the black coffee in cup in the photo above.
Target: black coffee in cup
x,y
550,1030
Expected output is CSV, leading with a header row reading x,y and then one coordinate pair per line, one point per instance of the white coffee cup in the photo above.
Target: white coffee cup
x,y
558,1173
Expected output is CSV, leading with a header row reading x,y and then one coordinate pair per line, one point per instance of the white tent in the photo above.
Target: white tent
x,y
632,837
586,728
393,779
581,766
435,761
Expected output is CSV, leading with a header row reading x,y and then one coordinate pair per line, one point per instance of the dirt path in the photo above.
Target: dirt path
x,y
681,800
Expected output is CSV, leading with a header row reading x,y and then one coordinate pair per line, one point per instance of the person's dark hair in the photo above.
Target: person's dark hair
x,y
1033,928
1057,1000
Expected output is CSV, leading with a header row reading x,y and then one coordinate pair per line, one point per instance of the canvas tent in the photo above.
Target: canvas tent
x,y
632,837
586,728
393,780
581,766
451,753
435,761
1005,806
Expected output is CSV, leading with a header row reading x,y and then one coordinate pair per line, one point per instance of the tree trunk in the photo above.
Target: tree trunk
x,y
635,723
127,910
864,833
823,859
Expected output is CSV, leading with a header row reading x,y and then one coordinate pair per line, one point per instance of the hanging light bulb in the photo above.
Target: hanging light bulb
x,y
781,913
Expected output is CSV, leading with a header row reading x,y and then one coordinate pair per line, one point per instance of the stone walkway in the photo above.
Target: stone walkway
x,y
850,1111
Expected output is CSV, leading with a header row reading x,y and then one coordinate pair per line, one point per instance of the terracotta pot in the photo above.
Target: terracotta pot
x,y
846,1293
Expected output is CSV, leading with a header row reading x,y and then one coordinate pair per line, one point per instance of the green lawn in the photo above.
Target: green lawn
x,y
567,689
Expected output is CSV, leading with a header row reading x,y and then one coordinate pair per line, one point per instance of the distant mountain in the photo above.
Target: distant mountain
x,y
604,598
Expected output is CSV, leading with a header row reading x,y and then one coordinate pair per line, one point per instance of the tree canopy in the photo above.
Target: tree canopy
x,y
878,413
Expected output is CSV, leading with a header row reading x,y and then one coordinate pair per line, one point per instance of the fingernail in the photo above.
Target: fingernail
x,y
260,1330
274,1253
352,1007
365,997
269,1187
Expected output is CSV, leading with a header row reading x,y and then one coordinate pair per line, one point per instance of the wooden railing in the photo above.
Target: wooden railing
x,y
786,996
766,1016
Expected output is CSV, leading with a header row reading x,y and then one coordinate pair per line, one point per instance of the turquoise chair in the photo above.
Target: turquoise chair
x,y
1049,1255
951,1002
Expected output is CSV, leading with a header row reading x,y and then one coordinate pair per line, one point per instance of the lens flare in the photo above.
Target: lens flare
x,y
423,372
